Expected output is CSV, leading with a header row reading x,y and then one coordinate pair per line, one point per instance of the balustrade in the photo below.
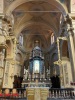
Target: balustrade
x,y
58,94
62,93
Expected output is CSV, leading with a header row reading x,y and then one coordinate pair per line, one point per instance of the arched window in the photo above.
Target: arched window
x,y
52,38
21,40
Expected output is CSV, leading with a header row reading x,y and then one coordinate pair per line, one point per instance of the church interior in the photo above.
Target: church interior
x,y
37,47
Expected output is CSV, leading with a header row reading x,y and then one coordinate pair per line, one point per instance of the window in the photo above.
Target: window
x,y
52,38
21,40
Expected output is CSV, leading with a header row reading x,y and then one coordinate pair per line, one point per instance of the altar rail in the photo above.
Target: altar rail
x,y
65,93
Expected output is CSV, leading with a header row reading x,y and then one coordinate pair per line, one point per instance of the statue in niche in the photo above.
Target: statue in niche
x,y
48,72
25,73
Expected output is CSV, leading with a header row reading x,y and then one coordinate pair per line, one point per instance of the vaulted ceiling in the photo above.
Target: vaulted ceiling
x,y
37,20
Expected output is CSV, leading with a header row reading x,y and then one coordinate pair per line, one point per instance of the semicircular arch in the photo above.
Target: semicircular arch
x,y
17,32
53,2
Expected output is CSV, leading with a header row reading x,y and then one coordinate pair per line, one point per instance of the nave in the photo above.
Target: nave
x,y
37,49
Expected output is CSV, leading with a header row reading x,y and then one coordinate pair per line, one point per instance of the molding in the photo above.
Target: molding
x,y
72,14
9,58
14,62
65,59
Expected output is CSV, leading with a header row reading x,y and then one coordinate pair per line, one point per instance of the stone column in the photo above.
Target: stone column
x,y
70,35
73,22
71,50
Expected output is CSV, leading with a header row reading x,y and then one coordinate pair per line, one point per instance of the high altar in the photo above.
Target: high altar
x,y
37,93
36,84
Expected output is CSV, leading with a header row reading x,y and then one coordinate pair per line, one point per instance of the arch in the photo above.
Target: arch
x,y
35,37
17,3
20,26
29,24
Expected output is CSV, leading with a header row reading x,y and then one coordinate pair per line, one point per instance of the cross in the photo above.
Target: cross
x,y
59,62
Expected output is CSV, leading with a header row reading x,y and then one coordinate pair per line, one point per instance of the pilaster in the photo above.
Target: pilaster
x,y
73,22
71,50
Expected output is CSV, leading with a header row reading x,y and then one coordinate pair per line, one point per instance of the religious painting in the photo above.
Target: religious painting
x,y
36,66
